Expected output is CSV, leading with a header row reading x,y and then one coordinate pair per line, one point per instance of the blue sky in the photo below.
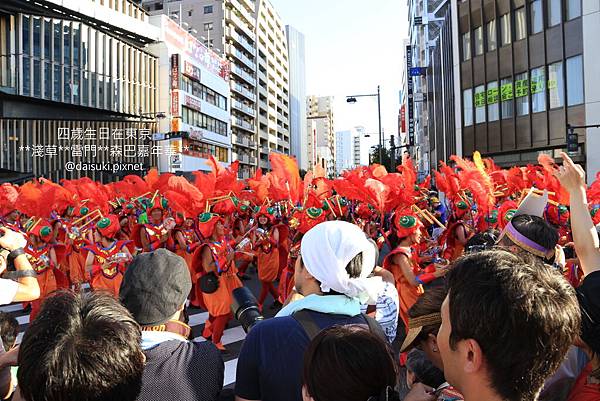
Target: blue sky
x,y
351,47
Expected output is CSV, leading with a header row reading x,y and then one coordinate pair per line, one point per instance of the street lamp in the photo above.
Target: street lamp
x,y
352,100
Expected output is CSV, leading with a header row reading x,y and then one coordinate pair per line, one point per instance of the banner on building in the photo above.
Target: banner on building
x,y
403,118
175,103
409,86
175,71
194,50
191,71
193,103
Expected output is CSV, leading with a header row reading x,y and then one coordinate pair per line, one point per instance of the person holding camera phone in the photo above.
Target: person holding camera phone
x,y
23,288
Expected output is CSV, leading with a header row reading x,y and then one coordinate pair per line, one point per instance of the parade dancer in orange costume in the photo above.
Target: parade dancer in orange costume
x,y
157,233
215,257
44,260
107,258
457,234
266,241
403,262
185,238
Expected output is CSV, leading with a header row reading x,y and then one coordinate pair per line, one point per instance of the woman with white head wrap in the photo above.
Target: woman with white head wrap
x,y
330,265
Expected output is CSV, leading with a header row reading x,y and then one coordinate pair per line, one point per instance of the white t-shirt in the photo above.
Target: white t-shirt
x,y
8,290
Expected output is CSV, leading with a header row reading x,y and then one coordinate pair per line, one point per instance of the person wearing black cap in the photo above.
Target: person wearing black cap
x,y
154,289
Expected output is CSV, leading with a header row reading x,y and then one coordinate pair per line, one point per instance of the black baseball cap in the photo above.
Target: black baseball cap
x,y
155,286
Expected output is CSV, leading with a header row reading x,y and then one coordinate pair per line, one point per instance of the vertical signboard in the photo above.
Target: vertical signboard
x,y
175,71
409,85
403,118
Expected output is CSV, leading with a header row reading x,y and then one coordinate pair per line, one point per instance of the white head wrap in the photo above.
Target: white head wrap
x,y
326,251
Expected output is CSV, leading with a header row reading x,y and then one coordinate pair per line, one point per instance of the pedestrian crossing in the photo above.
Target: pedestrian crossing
x,y
233,336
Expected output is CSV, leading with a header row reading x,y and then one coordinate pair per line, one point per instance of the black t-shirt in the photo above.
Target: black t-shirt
x,y
182,371
270,363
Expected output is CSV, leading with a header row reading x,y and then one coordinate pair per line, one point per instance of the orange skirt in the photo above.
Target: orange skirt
x,y
188,257
219,302
408,296
268,265
76,268
111,285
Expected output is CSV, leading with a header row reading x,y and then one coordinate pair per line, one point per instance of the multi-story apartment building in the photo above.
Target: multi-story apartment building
x,y
527,70
227,27
194,92
321,133
273,83
298,138
77,85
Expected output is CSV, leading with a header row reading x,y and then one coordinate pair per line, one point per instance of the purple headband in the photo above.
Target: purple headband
x,y
525,243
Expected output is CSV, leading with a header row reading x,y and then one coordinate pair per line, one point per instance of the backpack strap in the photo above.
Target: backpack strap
x,y
304,318
309,325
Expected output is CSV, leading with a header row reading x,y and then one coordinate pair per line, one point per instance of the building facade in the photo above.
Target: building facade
x,y
77,84
296,57
344,151
194,91
273,83
527,69
321,133
228,27
251,35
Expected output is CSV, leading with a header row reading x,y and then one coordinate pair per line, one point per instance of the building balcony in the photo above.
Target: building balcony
x,y
240,40
244,159
239,123
238,88
252,160
239,56
237,21
265,165
265,149
245,142
243,11
237,105
243,74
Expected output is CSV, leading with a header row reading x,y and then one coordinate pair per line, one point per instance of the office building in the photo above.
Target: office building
x,y
427,101
228,27
344,151
77,84
296,57
527,70
321,133
194,92
273,83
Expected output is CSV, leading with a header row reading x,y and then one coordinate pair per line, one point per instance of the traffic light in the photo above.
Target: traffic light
x,y
572,141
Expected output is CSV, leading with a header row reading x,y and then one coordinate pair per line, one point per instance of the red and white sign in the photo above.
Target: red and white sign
x,y
191,71
175,71
403,118
196,134
193,103
195,50
175,103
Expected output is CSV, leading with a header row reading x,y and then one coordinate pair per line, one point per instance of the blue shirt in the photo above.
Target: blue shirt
x,y
270,363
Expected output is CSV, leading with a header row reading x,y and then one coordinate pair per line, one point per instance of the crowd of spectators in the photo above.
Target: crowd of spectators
x,y
505,326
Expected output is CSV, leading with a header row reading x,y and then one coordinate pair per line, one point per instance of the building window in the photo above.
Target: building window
x,y
26,76
208,9
554,12
573,9
505,34
492,100
538,90
26,34
506,97
492,41
520,24
478,41
522,94
466,45
208,26
537,16
197,119
479,104
574,80
555,85
468,107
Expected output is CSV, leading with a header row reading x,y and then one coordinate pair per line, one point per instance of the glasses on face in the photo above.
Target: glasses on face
x,y
295,252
